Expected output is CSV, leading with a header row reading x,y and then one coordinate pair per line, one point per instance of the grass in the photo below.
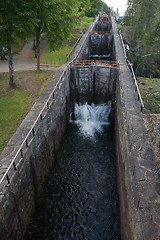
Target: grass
x,y
56,58
85,23
14,104
119,26
150,91
86,19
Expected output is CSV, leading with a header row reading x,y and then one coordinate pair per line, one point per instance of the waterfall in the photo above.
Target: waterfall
x,y
91,118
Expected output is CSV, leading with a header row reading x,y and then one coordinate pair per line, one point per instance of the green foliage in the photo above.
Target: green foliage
x,y
105,8
54,19
119,26
15,21
141,14
143,17
84,6
96,7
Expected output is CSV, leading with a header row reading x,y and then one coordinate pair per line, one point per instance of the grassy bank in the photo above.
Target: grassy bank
x,y
150,91
14,104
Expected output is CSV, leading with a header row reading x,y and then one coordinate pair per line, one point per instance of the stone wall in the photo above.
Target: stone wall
x,y
138,181
152,124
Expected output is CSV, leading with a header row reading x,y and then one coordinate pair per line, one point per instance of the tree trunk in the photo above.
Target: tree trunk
x,y
38,52
34,47
11,69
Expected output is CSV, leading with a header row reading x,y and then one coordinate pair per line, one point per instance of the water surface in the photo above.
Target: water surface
x,y
80,200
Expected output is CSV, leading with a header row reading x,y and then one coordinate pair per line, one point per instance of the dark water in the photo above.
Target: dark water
x,y
80,200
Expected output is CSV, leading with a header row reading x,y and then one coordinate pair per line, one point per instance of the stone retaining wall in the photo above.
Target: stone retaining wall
x,y
138,181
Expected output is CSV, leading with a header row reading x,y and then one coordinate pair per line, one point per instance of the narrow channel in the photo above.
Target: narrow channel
x,y
80,200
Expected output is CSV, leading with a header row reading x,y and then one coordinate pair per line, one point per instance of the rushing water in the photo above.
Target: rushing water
x,y
92,118
80,200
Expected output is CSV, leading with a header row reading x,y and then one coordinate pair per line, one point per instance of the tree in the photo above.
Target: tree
x,y
105,8
15,22
140,14
54,21
84,6
143,17
96,6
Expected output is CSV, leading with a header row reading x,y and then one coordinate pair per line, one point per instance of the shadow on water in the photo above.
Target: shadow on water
x,y
80,200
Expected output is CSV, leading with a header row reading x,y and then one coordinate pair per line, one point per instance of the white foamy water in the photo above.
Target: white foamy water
x,y
92,118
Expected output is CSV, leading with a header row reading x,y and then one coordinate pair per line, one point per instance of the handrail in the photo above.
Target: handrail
x,y
40,117
135,81
122,44
75,45
133,74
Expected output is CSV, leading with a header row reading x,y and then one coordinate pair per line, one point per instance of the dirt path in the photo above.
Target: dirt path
x,y
22,61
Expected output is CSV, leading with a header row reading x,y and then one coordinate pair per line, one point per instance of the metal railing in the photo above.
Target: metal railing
x,y
32,132
124,50
133,74
136,84
75,45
